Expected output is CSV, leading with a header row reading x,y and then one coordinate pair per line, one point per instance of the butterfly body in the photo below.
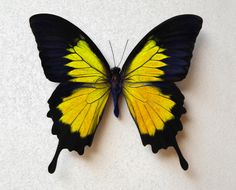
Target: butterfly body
x,y
146,81
116,88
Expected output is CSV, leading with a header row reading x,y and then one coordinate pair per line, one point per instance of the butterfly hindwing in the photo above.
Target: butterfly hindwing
x,y
69,56
156,109
76,110
161,58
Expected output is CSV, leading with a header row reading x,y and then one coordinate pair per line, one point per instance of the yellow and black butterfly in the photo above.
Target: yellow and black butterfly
x,y
146,80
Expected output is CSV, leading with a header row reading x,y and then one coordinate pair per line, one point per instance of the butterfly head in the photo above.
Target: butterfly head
x,y
115,70
115,76
116,88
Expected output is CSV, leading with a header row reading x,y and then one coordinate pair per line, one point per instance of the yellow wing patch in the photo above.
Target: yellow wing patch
x,y
83,108
87,67
150,108
146,65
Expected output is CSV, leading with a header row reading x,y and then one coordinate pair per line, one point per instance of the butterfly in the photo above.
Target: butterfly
x,y
146,81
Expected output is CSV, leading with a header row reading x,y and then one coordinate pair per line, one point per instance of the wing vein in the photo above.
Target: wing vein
x,y
142,64
89,64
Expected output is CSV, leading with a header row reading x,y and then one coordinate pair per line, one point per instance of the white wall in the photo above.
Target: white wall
x,y
117,159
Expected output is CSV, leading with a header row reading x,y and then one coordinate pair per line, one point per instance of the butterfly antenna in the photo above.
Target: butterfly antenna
x,y
112,53
123,53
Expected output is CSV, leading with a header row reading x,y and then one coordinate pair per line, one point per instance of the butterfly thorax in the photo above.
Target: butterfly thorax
x,y
116,88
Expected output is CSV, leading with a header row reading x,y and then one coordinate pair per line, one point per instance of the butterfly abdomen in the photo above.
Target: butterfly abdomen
x,y
116,88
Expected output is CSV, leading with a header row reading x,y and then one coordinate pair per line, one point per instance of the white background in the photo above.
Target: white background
x,y
117,159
